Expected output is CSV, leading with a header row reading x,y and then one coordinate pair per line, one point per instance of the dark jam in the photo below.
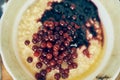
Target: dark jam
x,y
63,31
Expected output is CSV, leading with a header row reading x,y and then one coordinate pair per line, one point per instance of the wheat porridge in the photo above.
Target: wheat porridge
x,y
60,40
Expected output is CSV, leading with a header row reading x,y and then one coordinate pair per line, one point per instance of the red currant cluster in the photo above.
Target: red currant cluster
x,y
52,47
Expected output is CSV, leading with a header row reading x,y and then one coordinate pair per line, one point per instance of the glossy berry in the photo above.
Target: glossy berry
x,y
43,73
57,76
49,45
36,54
74,55
52,62
77,26
41,58
66,35
72,6
48,69
73,50
39,65
42,78
27,42
55,53
58,66
29,59
74,17
62,23
49,56
64,75
59,61
35,36
56,47
66,71
66,43
51,24
51,37
75,65
37,75
61,32
35,48
43,45
86,53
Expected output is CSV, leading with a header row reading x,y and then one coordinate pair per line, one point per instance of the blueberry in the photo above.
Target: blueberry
x,y
81,17
95,16
87,10
47,14
80,38
58,8
80,43
64,29
68,13
41,78
67,3
92,30
78,21
69,32
76,12
57,16
75,35
86,43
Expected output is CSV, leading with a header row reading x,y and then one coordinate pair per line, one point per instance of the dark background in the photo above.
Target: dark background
x,y
1,3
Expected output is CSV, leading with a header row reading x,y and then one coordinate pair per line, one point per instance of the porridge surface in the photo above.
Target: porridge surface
x,y
28,26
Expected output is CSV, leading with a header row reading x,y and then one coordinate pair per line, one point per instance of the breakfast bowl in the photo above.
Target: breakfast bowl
x,y
21,22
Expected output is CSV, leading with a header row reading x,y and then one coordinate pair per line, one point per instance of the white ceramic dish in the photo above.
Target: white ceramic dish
x,y
9,23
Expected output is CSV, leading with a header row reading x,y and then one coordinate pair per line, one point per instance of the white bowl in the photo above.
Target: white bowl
x,y
9,23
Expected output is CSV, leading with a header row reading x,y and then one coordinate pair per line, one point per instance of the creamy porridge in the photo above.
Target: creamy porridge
x,y
88,54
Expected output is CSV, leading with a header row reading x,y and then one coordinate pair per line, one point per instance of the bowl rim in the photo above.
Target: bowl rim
x,y
5,63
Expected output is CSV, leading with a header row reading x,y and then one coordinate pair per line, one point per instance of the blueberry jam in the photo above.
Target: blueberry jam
x,y
63,30
74,13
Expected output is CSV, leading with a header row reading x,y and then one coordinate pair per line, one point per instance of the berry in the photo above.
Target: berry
x,y
36,54
39,65
29,59
49,45
49,56
27,42
57,76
